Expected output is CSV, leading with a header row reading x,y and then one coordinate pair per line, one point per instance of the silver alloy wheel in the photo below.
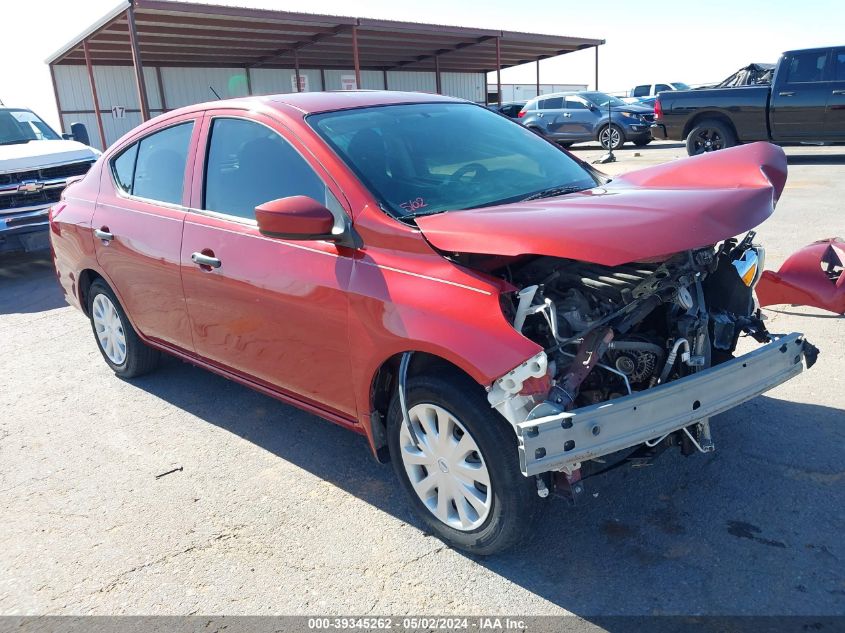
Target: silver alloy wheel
x,y
446,470
109,329
610,137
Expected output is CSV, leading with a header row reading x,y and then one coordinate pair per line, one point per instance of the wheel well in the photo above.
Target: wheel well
x,y
702,116
86,278
385,385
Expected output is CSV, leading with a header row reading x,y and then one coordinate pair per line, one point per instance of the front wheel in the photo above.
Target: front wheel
x,y
611,137
460,466
642,142
709,135
121,347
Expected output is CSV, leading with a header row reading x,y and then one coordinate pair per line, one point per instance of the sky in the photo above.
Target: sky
x,y
647,42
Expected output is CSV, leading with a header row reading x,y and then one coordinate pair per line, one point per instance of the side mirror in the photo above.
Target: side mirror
x,y
296,218
80,133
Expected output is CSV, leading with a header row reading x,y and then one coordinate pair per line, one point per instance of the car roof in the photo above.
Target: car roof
x,y
313,102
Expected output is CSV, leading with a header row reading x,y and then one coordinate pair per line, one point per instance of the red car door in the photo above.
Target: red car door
x,y
137,227
271,310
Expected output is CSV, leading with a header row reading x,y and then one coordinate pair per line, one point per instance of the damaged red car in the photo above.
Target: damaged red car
x,y
492,313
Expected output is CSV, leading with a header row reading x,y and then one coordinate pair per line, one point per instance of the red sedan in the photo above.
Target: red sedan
x,y
491,312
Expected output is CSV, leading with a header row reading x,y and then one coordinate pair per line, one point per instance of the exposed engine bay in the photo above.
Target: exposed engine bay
x,y
610,332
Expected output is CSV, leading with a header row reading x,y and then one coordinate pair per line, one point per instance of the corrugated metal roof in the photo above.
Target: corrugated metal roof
x,y
192,34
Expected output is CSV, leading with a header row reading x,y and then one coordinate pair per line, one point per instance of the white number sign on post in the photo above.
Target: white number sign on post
x,y
303,83
347,82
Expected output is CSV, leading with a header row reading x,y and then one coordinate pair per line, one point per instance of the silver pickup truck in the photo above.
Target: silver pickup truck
x,y
35,165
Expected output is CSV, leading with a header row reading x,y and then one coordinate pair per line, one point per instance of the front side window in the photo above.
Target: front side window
x,y
22,126
806,67
249,164
662,87
641,91
159,165
425,158
839,65
680,85
574,103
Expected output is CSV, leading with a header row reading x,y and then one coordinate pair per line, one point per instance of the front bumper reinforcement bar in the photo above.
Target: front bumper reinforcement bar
x,y
562,440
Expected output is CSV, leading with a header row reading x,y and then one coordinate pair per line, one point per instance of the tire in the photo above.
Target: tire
x,y
122,349
565,144
616,133
709,135
536,131
512,503
642,142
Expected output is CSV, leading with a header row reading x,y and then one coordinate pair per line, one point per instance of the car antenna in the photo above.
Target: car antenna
x,y
609,157
215,92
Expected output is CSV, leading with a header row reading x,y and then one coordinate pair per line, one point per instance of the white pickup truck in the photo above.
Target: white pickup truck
x,y
35,165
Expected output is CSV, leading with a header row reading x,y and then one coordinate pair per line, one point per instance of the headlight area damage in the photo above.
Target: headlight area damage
x,y
639,355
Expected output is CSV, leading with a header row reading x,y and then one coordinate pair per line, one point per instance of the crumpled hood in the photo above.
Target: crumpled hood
x,y
37,154
688,203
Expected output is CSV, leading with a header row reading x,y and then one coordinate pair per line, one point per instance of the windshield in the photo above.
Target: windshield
x,y
23,126
679,85
419,159
601,99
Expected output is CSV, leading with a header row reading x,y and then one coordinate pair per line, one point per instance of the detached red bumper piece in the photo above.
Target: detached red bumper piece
x,y
813,276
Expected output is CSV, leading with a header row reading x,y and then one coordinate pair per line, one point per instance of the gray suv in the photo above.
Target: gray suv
x,y
573,117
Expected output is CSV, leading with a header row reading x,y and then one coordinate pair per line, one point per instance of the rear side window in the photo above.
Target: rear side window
x,y
806,67
160,164
249,164
662,87
552,103
641,91
123,168
839,65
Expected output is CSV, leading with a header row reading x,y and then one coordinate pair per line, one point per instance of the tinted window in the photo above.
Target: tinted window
x,y
432,157
839,66
249,164
662,87
123,168
641,91
806,67
553,103
160,166
573,103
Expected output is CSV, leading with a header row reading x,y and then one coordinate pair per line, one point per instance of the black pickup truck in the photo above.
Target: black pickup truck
x,y
804,103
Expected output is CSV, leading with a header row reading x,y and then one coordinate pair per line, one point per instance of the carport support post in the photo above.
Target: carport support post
x,y
136,63
296,70
96,99
597,66
437,75
538,76
499,69
355,57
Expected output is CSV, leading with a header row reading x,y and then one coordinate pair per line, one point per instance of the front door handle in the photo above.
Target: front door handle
x,y
103,234
568,115
787,93
200,259
838,92
539,115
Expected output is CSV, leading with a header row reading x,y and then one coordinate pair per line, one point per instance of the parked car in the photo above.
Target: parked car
x,y
510,109
652,90
573,117
35,164
489,311
804,103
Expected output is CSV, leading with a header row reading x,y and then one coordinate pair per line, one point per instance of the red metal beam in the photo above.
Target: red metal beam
x,y
538,76
96,99
437,75
161,98
296,70
597,67
56,94
355,57
499,68
136,63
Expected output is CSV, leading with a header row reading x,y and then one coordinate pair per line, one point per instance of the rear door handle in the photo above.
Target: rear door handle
x,y
838,92
205,260
103,234
786,93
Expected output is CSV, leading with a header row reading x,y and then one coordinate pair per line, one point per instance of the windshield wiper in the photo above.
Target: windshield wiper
x,y
20,141
553,191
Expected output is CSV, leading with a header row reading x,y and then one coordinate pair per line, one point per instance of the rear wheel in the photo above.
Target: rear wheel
x,y
460,466
709,135
122,349
611,137
642,142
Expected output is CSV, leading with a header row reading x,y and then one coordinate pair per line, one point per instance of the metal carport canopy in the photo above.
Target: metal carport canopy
x,y
192,34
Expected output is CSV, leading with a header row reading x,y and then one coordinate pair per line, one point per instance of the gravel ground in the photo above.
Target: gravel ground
x,y
278,512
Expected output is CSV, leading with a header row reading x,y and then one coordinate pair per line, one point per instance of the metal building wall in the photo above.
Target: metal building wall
x,y
370,79
268,81
186,86
411,81
468,86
